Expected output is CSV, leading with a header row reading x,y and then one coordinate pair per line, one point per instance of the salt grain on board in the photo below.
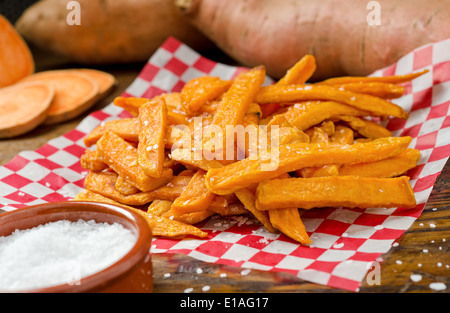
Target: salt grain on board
x,y
438,286
416,277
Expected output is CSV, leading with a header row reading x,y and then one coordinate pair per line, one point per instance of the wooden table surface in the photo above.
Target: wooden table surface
x,y
423,249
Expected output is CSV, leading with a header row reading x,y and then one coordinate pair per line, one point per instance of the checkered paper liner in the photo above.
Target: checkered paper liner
x,y
346,241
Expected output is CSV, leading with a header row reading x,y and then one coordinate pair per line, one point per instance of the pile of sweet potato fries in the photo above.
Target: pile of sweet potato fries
x,y
294,146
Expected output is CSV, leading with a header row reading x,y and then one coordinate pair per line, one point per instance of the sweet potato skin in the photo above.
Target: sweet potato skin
x,y
336,32
111,31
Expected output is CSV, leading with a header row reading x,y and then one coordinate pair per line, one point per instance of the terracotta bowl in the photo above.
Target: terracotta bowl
x,y
133,273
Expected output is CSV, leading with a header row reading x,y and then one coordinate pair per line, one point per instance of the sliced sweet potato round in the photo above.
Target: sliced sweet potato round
x,y
16,60
106,81
74,93
24,106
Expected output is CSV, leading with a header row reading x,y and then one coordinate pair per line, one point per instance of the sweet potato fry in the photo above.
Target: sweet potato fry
x,y
307,114
396,79
199,91
342,135
300,72
291,93
253,114
125,187
90,161
104,183
390,167
189,157
160,226
158,207
239,96
234,105
229,209
377,89
122,158
248,199
152,131
288,221
292,157
188,218
348,191
323,171
165,227
173,189
126,128
130,104
366,128
196,197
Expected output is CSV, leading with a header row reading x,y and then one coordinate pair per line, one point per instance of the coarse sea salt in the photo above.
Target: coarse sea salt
x,y
60,252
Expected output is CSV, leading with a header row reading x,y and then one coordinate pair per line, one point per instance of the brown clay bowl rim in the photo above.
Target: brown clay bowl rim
x,y
104,277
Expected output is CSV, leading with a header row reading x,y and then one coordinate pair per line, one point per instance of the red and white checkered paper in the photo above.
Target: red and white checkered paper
x,y
346,241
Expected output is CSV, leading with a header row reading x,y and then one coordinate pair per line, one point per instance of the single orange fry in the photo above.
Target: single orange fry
x,y
196,197
333,191
292,93
396,79
126,128
152,132
122,158
199,91
288,221
300,72
309,113
390,167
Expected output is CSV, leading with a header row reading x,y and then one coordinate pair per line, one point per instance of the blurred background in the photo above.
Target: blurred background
x,y
12,9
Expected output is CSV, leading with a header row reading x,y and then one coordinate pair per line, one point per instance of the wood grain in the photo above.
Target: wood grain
x,y
424,249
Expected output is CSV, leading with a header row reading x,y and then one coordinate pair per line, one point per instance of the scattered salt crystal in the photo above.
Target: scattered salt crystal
x,y
206,288
149,148
223,274
47,184
438,286
338,245
425,250
167,275
395,244
199,271
432,225
245,272
21,194
398,262
188,290
60,252
439,264
416,277
419,265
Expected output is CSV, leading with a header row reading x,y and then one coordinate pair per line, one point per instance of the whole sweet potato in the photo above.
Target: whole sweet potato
x,y
110,31
346,37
